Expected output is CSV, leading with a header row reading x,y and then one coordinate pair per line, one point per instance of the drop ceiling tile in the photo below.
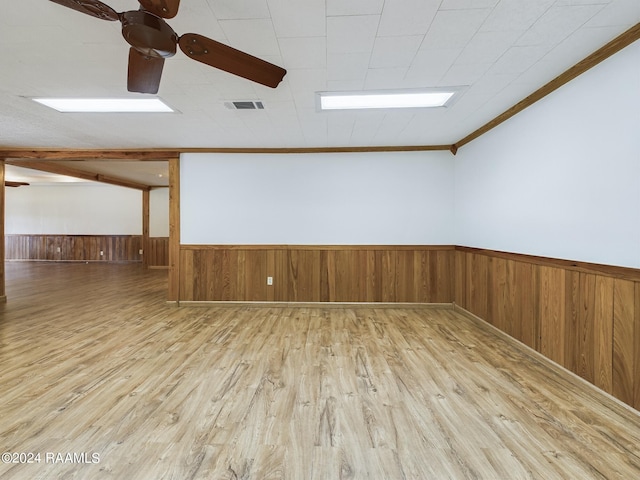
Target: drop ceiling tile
x,y
393,124
354,7
298,19
351,34
518,15
424,120
306,52
89,57
314,126
304,100
557,23
569,3
350,66
304,80
430,65
487,47
366,127
454,28
519,59
284,109
255,37
344,85
618,12
385,78
339,127
239,9
394,51
492,83
303,85
407,17
469,103
464,74
467,4
268,94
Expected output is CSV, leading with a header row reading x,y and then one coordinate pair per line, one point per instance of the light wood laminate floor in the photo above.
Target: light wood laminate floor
x,y
93,362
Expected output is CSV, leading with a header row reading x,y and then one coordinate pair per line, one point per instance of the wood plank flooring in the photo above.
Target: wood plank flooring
x,y
93,362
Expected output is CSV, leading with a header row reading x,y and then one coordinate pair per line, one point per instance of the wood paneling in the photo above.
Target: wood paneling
x,y
553,324
499,291
114,248
582,316
145,227
173,294
157,252
625,341
317,274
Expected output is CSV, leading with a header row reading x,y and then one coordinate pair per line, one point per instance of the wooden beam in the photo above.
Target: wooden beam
x,y
614,46
289,150
162,154
174,230
145,228
82,155
54,167
3,295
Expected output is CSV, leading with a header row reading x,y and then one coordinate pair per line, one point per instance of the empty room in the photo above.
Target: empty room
x,y
267,239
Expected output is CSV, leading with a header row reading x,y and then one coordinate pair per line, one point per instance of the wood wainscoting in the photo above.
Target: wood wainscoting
x,y
585,317
157,252
69,248
411,274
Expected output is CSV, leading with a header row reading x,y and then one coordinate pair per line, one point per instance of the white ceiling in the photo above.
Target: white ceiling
x,y
501,50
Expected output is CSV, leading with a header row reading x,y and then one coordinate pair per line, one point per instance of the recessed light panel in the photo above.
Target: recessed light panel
x,y
106,105
386,99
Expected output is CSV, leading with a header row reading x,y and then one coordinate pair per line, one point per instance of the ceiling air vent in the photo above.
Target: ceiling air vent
x,y
245,105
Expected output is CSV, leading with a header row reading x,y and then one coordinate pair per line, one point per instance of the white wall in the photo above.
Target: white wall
x,y
73,209
320,199
159,212
562,178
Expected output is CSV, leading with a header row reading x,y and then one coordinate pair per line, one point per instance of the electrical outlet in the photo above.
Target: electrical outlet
x,y
140,251
101,253
269,280
58,249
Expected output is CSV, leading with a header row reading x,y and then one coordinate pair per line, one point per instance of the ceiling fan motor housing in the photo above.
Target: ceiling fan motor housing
x,y
148,34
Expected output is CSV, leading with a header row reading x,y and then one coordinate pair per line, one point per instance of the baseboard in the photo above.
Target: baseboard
x,y
158,267
44,260
187,303
3,299
572,376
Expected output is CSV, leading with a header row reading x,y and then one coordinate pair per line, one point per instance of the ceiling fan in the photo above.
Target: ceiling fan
x,y
152,40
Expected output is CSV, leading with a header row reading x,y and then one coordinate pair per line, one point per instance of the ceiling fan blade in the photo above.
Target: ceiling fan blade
x,y
144,72
95,8
230,60
161,8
